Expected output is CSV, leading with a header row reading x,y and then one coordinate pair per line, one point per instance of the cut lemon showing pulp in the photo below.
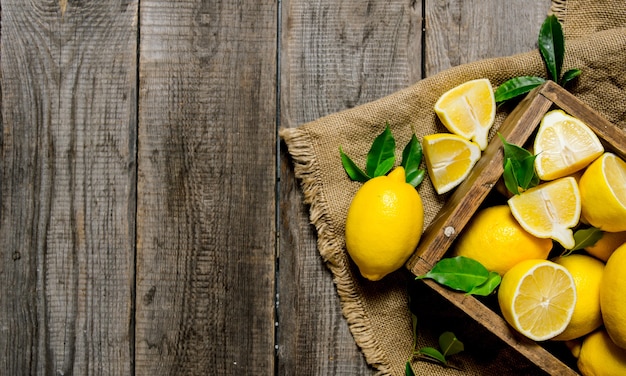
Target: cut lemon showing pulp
x,y
468,110
564,145
449,159
537,298
549,210
603,193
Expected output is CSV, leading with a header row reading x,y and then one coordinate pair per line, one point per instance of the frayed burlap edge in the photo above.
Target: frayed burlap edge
x,y
306,170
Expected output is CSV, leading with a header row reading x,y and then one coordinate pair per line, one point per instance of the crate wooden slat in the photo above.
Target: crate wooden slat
x,y
517,128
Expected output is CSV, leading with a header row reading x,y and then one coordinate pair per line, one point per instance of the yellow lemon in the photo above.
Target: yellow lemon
x,y
564,145
600,357
587,273
449,159
603,193
607,244
613,296
549,210
468,110
384,224
495,239
537,298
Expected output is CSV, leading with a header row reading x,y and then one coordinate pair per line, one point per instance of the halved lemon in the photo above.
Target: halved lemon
x,y
468,110
449,159
603,193
549,210
564,145
537,298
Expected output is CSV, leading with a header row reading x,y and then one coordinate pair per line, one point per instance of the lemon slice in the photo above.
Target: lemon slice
x,y
564,145
537,298
449,159
468,110
603,193
549,210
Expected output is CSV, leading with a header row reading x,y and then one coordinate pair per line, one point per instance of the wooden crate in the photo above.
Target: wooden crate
x,y
517,128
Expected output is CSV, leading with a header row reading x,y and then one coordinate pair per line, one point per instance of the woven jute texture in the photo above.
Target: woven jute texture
x,y
378,312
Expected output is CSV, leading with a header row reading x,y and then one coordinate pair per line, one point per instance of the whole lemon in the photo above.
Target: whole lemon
x,y
587,273
495,239
384,224
607,244
600,357
613,296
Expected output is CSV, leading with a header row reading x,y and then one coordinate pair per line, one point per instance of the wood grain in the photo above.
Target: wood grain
x,y
67,224
335,55
206,188
459,32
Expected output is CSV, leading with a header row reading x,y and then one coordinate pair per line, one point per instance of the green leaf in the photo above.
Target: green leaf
x,y
587,237
449,344
570,75
458,273
552,46
517,86
510,180
432,353
519,167
408,370
384,166
525,170
411,160
380,154
414,325
353,171
488,286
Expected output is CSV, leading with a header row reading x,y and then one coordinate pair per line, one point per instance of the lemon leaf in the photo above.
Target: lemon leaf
x,y
586,237
516,86
381,156
432,353
408,371
353,171
569,76
458,273
449,344
411,161
552,46
519,167
488,286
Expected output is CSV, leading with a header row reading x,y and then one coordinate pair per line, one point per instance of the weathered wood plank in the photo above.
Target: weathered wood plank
x,y
335,55
67,187
462,31
206,188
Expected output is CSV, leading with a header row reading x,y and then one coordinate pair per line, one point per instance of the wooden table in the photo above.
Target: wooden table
x,y
150,221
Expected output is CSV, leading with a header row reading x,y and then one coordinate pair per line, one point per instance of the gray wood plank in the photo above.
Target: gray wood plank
x,y
462,31
206,188
68,77
335,55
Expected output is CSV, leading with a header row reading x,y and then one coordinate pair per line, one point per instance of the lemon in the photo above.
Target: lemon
x,y
449,159
495,239
537,298
613,296
564,145
607,244
587,273
549,210
468,110
600,357
603,193
384,224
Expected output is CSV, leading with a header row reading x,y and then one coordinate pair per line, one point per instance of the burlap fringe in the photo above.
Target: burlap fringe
x,y
306,170
559,9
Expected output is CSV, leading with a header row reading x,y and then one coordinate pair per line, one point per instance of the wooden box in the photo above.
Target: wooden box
x,y
517,128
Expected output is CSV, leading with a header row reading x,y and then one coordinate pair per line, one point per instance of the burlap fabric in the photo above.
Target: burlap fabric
x,y
377,312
